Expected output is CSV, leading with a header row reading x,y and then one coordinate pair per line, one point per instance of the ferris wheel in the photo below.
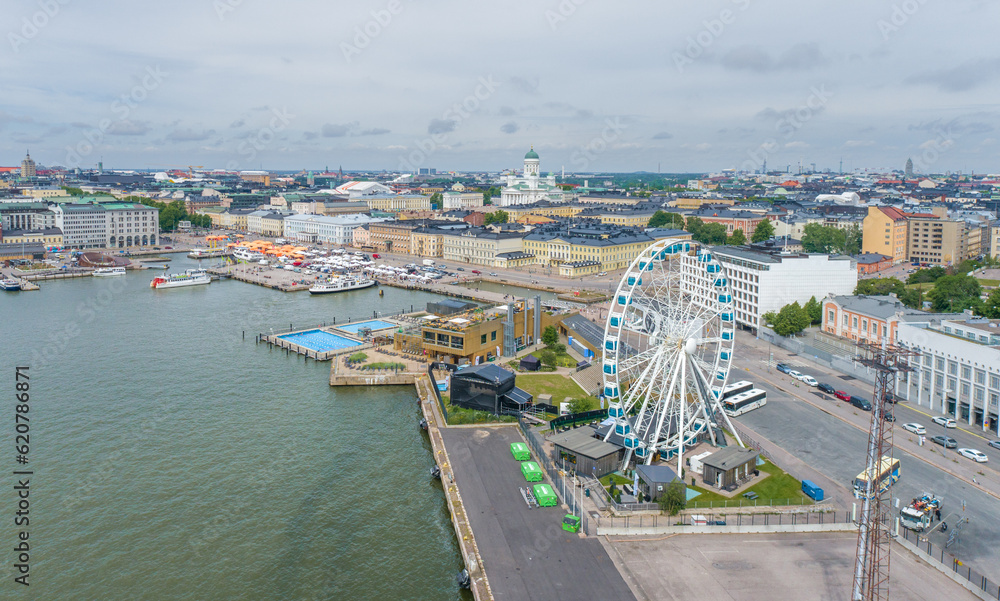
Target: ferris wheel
x,y
668,347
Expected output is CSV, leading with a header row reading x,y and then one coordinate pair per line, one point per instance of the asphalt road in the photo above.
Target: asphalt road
x,y
526,554
753,354
837,450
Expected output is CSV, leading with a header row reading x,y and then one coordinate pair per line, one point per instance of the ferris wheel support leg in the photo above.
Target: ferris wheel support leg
x,y
705,402
680,422
663,410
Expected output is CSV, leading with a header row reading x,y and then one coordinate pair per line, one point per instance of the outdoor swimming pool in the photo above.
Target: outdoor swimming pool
x,y
320,341
372,324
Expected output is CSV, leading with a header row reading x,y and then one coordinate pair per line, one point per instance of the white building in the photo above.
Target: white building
x,y
763,282
111,225
329,230
360,189
532,187
958,370
461,200
478,246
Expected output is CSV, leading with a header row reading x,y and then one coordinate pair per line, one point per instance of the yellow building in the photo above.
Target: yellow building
x,y
401,202
885,231
49,237
235,219
43,192
937,241
426,242
609,248
542,209
995,240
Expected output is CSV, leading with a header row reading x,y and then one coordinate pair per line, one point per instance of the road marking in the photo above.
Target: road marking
x,y
910,453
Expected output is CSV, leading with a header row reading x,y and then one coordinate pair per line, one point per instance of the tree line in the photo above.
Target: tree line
x,y
710,233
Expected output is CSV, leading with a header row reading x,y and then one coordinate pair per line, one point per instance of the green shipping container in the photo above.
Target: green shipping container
x,y
520,451
545,496
531,471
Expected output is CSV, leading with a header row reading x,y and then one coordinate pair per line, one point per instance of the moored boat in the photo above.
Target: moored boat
x,y
191,277
10,284
342,284
105,272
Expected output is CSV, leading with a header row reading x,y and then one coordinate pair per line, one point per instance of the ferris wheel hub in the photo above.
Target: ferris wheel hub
x,y
690,346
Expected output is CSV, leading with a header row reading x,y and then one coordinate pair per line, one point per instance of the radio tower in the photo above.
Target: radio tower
x,y
871,566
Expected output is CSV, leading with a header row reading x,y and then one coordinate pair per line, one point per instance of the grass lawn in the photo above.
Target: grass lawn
x,y
988,282
619,480
461,415
924,286
558,385
562,359
779,487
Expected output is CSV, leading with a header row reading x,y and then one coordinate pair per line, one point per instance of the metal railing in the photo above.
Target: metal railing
x,y
645,521
437,391
566,488
951,563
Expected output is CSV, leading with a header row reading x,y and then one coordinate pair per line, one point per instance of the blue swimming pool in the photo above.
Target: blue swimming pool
x,y
320,341
372,324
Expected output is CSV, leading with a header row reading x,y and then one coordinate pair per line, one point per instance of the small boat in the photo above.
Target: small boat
x,y
191,277
436,472
106,272
464,580
342,284
423,424
10,284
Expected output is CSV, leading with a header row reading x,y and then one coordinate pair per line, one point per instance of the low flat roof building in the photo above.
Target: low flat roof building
x,y
582,451
730,467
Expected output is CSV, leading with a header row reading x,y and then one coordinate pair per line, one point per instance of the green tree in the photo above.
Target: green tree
x,y
955,293
791,319
550,336
548,358
694,226
498,216
927,276
852,242
737,238
991,308
912,298
763,231
710,233
674,498
824,239
665,219
814,310
580,405
436,200
880,287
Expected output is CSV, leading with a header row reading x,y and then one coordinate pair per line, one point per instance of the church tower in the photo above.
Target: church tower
x,y
531,163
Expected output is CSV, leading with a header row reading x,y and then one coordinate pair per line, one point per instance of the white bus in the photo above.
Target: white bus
x,y
744,401
736,388
888,473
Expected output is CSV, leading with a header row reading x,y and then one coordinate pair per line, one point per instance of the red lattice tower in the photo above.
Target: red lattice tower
x,y
871,568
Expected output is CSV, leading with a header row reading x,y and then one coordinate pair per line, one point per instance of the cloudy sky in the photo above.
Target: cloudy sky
x,y
594,85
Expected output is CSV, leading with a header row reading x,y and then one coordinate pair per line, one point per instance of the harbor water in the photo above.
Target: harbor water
x,y
175,459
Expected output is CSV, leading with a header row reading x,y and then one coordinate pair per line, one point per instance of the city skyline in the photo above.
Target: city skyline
x,y
392,85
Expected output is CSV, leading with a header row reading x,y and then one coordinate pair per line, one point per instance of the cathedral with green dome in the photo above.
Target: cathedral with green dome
x,y
531,186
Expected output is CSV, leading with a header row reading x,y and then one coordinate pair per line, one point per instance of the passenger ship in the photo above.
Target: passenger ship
x,y
191,277
342,284
106,272
10,284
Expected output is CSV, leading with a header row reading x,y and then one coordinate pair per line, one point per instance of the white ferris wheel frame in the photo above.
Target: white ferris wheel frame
x,y
679,364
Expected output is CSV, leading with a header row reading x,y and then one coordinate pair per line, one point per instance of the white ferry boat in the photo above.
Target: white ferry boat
x,y
342,284
244,254
191,277
106,272
10,284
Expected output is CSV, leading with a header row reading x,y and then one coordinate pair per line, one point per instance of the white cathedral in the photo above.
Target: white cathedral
x,y
531,187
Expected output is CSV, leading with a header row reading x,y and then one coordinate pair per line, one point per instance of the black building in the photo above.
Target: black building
x,y
488,387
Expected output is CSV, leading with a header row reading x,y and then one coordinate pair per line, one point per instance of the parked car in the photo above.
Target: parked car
x,y
477,272
782,368
947,422
840,394
973,454
915,428
888,416
602,274
861,403
375,256
493,275
809,380
891,398
994,443
795,374
460,268
823,386
945,441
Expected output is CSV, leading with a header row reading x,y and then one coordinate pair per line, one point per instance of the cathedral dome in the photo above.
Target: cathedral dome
x,y
531,154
